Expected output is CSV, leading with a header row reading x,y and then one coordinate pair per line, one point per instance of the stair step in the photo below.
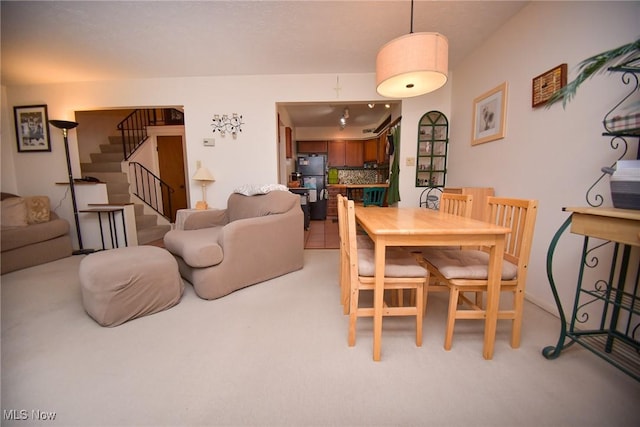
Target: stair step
x,y
108,177
117,140
111,148
146,221
119,198
150,234
101,167
107,167
117,187
106,157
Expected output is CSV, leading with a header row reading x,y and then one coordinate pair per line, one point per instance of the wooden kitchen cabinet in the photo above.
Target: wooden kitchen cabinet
x,y
288,147
354,153
336,156
312,146
382,148
346,153
371,150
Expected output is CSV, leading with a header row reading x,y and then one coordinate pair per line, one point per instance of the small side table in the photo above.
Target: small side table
x,y
113,231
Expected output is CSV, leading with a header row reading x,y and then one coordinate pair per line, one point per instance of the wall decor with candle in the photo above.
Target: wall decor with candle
x,y
225,123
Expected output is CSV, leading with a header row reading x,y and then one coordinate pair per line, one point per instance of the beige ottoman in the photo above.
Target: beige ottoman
x,y
121,284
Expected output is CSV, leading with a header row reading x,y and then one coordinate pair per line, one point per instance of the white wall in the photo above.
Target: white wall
x,y
553,155
250,158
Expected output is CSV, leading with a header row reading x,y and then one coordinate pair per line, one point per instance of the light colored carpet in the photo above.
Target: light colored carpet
x,y
275,354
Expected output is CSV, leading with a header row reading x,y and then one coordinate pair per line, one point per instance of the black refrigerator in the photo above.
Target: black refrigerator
x,y
313,169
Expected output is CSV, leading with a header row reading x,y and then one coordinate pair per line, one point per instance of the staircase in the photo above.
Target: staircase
x,y
106,166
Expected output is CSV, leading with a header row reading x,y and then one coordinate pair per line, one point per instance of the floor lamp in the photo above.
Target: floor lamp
x,y
65,126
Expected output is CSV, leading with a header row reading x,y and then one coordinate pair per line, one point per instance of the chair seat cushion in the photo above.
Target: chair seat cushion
x,y
465,263
399,263
198,248
364,242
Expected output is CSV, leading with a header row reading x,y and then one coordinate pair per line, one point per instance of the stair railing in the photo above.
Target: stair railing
x,y
151,189
133,128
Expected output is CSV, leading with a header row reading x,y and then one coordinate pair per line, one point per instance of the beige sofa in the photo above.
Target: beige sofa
x,y
254,239
31,233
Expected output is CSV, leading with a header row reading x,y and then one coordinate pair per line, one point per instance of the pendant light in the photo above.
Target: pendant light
x,y
412,65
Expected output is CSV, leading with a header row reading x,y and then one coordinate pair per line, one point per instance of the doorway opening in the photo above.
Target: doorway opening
x,y
102,145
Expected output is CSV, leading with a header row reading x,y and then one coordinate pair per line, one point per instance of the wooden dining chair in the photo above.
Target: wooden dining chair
x,y
363,241
373,196
402,271
456,204
466,270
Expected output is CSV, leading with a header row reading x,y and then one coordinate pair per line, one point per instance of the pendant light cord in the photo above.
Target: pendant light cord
x,y
411,32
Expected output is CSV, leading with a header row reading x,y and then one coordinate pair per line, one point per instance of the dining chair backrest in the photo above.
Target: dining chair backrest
x,y
456,204
344,253
347,232
373,196
520,216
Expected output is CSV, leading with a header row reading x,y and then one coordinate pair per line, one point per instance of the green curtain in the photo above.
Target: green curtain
x,y
394,177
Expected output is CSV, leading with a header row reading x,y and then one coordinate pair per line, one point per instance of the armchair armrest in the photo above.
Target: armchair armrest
x,y
206,219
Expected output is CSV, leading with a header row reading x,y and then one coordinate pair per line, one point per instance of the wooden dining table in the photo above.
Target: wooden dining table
x,y
407,226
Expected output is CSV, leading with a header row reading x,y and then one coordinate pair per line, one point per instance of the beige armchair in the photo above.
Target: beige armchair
x,y
254,239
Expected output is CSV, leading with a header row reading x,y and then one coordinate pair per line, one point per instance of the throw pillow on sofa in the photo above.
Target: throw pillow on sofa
x,y
14,212
252,189
38,210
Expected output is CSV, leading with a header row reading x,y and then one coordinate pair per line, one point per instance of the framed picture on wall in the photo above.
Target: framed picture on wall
x,y
32,128
489,115
548,83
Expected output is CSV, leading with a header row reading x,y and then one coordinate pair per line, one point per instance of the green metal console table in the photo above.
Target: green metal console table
x,y
617,339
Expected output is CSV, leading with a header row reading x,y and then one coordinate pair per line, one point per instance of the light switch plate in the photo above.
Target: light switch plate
x,y
411,161
209,142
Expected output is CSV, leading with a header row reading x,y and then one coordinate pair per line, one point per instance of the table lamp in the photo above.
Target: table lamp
x,y
205,177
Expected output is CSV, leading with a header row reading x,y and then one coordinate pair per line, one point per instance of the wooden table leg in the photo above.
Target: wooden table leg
x,y
493,296
378,297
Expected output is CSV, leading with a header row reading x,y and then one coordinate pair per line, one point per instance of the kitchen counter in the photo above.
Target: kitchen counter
x,y
350,190
350,186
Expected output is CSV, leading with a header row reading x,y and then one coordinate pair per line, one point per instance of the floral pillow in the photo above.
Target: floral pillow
x,y
38,209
